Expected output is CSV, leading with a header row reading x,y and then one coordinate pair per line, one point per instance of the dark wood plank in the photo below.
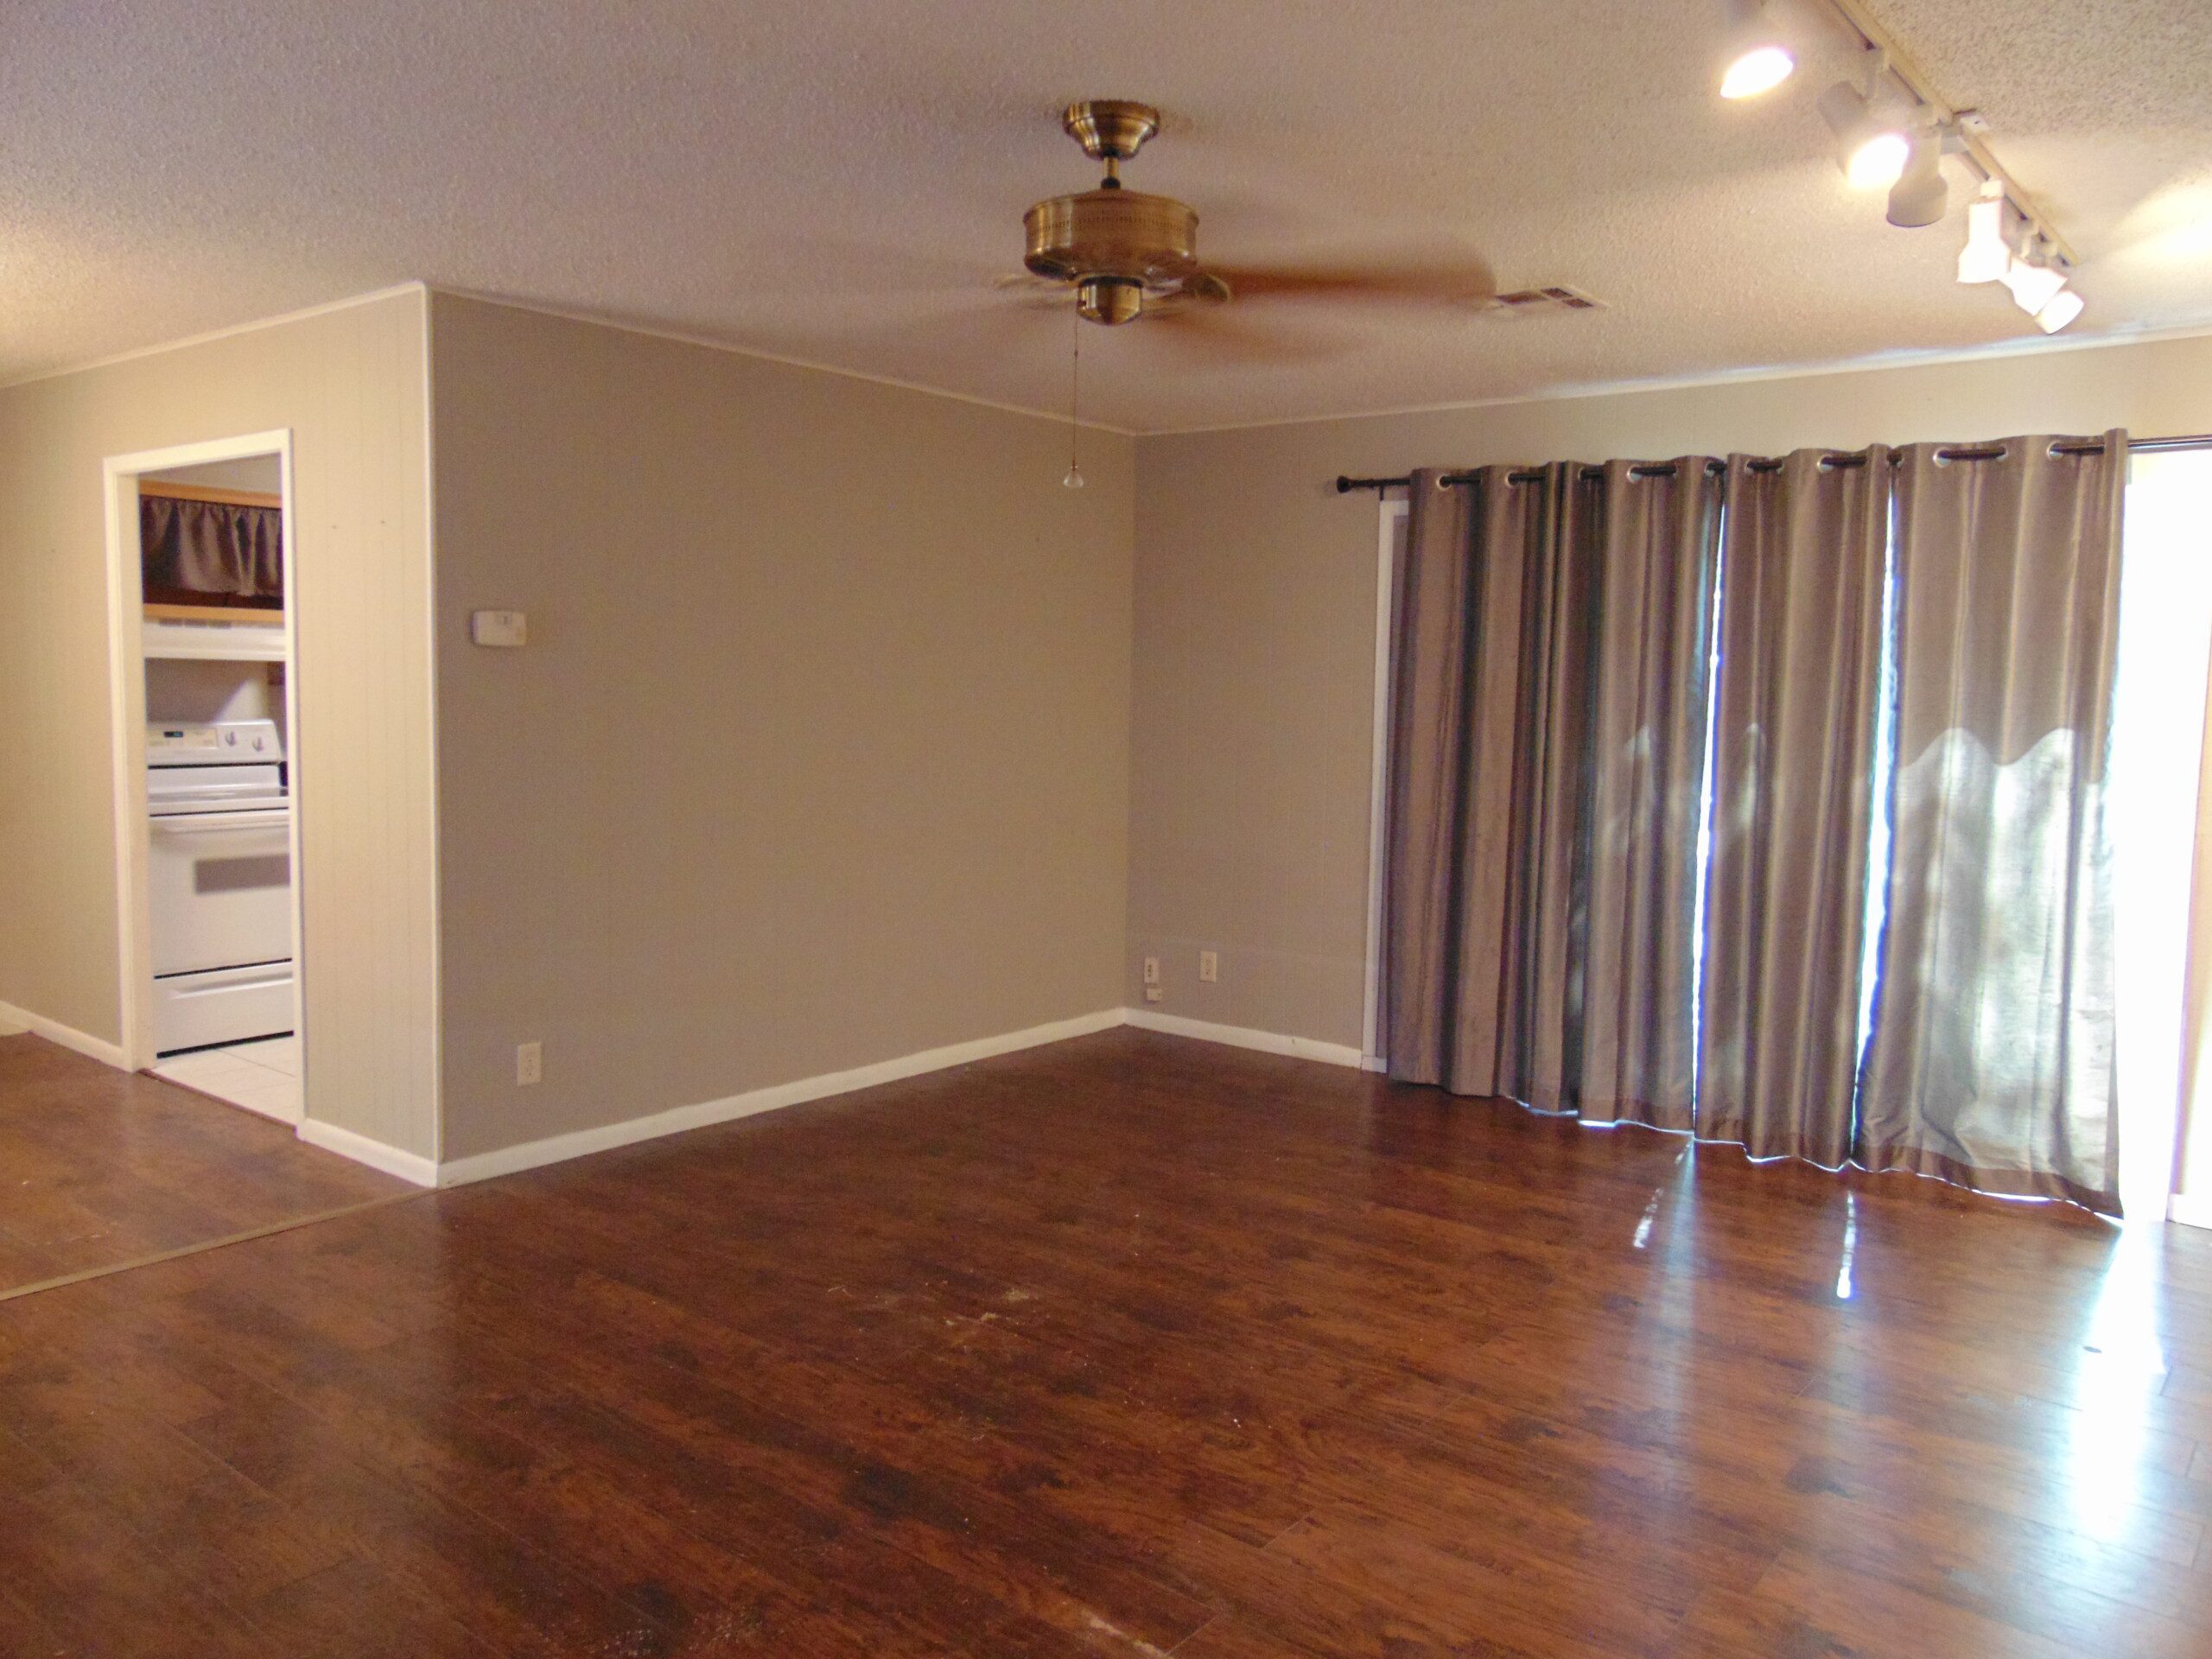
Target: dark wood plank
x,y
105,1167
1128,1346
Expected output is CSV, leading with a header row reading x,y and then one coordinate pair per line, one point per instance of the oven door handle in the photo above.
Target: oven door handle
x,y
218,823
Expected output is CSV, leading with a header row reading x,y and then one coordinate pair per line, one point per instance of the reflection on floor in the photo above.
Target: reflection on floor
x,y
99,1167
1129,1345
262,1076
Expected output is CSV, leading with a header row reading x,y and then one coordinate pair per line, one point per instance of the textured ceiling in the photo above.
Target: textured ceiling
x,y
839,182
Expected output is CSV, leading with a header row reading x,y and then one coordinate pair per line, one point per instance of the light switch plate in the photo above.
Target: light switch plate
x,y
508,629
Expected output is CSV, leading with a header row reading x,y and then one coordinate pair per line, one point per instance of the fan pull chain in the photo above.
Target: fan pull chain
x,y
1074,479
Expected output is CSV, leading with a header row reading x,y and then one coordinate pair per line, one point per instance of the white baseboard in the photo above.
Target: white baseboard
x,y
1267,1042
556,1148
2190,1209
408,1165
69,1037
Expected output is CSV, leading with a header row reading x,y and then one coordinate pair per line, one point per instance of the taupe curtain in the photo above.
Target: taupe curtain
x,y
211,552
1795,724
1990,1059
1547,756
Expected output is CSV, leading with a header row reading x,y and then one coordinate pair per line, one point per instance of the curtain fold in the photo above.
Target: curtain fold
x,y
1646,782
1990,1057
1794,731
1950,618
1546,765
211,552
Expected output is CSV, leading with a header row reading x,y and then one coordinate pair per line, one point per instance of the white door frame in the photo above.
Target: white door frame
x,y
1390,523
126,660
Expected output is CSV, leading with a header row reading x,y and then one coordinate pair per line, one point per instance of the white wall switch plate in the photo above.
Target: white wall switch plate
x,y
1152,993
1209,966
508,629
1152,970
530,1062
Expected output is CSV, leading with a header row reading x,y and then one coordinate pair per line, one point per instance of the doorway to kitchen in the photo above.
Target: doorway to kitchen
x,y
203,638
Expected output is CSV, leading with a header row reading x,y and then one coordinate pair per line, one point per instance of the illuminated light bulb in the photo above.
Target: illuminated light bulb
x,y
1756,57
1985,257
1879,162
2059,310
1871,147
1759,70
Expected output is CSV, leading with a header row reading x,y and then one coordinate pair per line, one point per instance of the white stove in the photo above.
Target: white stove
x,y
218,880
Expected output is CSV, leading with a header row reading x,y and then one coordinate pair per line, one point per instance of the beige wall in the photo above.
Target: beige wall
x,y
818,753
1254,660
349,384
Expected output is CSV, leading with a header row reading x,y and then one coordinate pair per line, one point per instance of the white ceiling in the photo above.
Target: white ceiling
x,y
839,181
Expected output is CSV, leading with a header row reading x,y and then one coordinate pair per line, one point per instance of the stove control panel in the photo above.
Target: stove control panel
x,y
217,743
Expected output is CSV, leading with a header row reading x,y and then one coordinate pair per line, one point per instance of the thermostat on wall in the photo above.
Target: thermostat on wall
x,y
498,627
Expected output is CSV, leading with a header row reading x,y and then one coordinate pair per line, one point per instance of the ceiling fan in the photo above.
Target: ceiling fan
x,y
1129,256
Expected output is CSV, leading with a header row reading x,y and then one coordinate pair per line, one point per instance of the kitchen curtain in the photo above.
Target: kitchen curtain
x,y
1555,635
211,552
1546,760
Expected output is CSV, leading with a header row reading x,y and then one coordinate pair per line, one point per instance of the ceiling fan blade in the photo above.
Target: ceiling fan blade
x,y
1201,289
1463,280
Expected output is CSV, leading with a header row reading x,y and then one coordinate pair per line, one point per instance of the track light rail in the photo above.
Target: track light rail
x,y
1347,485
1854,16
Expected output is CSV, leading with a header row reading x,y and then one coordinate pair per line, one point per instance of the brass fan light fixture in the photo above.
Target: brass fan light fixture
x,y
1128,255
1120,247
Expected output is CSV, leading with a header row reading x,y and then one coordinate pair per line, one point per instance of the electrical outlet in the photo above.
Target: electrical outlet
x,y
1209,966
530,1062
1152,993
1152,970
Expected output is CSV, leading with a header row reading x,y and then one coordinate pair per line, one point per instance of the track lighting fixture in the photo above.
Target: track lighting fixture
x,y
1871,146
1986,256
1756,56
1892,132
2034,281
1921,196
2059,310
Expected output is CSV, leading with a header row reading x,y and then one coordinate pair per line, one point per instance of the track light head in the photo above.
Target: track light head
x,y
1871,144
2034,281
1756,56
1757,69
2059,310
1921,196
1986,256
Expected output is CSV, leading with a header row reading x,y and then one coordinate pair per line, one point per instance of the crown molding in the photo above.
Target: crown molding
x,y
1908,359
214,334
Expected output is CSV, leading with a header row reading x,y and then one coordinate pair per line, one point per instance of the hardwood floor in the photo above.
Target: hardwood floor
x,y
1131,1346
99,1167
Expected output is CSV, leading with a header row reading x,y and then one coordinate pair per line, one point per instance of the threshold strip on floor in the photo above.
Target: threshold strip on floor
x,y
182,1250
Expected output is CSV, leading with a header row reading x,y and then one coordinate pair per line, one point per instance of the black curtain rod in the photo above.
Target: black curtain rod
x,y
1773,464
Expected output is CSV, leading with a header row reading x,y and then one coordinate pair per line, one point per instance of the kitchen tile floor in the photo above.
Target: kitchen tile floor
x,y
262,1076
